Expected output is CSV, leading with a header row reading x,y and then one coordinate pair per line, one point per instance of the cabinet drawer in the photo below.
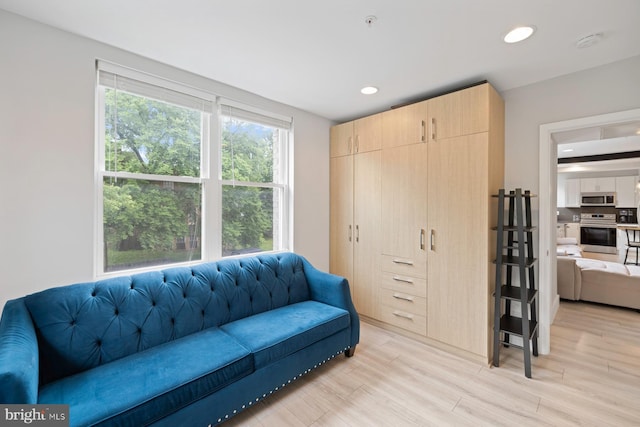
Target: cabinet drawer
x,y
403,319
405,266
406,284
405,302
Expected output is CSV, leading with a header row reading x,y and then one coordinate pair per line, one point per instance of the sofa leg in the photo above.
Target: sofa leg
x,y
350,351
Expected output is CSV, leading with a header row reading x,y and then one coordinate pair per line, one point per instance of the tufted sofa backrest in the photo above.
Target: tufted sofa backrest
x,y
85,325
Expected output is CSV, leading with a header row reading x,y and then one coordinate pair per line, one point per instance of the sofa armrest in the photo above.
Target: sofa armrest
x,y
333,290
569,278
18,355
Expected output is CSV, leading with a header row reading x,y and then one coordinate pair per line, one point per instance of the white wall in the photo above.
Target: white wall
x,y
606,89
47,202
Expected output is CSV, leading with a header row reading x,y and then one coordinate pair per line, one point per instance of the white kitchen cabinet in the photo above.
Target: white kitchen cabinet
x,y
572,193
589,185
626,192
572,229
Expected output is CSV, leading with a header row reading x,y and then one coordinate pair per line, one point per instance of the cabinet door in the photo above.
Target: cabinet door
x,y
626,192
573,230
445,116
341,139
341,218
588,185
475,109
572,193
404,204
368,134
606,184
367,179
458,262
464,112
405,125
598,184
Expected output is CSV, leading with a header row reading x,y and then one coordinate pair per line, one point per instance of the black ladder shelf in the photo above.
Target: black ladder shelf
x,y
516,255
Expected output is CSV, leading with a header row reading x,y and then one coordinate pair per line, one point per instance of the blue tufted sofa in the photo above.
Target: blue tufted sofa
x,y
178,347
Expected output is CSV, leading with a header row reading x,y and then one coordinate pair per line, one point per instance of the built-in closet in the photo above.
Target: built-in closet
x,y
411,215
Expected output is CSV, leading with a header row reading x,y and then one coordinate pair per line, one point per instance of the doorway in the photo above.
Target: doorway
x,y
548,294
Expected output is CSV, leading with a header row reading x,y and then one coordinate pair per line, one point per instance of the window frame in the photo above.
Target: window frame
x,y
211,183
281,182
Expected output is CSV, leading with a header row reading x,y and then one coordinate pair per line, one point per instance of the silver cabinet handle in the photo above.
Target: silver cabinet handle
x,y
349,144
402,279
401,261
357,233
403,297
432,241
422,239
423,131
403,315
350,232
357,144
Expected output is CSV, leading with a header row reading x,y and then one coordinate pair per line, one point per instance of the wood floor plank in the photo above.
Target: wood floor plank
x,y
591,378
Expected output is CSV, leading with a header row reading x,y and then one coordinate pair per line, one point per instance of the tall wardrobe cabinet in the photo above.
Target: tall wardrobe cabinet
x,y
355,208
411,215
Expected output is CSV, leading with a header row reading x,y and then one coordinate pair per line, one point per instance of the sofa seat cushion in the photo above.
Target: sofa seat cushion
x,y
569,250
145,386
275,334
609,267
634,270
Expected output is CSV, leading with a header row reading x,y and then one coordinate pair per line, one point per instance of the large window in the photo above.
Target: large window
x,y
254,196
158,204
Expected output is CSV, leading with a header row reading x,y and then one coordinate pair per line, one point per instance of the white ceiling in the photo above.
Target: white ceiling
x,y
317,55
599,140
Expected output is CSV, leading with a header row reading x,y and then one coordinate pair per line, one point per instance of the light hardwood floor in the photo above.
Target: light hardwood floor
x,y
591,378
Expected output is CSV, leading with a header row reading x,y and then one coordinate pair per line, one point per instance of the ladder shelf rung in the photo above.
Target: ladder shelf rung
x,y
515,260
513,293
511,228
513,325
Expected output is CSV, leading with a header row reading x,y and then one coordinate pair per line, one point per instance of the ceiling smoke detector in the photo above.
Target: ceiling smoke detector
x,y
589,40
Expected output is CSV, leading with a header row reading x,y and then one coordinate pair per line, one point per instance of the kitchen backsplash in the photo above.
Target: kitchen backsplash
x,y
573,214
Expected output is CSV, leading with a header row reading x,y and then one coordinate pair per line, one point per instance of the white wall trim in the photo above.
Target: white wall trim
x,y
549,300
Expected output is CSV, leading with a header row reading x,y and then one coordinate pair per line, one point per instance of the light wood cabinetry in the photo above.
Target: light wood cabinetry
x,y
464,112
355,215
463,172
341,215
404,222
341,139
404,126
440,161
366,259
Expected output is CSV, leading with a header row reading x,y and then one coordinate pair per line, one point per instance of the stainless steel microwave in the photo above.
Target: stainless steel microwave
x,y
598,199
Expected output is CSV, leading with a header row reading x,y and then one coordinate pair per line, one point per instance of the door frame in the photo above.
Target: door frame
x,y
548,295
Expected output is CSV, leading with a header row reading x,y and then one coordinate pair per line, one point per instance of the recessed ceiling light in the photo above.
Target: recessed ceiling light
x,y
519,33
567,150
369,90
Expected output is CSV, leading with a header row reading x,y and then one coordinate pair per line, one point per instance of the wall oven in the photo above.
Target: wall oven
x,y
598,232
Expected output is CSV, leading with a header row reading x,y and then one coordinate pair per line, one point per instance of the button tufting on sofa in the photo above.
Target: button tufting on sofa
x,y
262,312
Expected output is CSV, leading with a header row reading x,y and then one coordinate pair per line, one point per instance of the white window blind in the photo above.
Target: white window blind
x,y
122,80
228,108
